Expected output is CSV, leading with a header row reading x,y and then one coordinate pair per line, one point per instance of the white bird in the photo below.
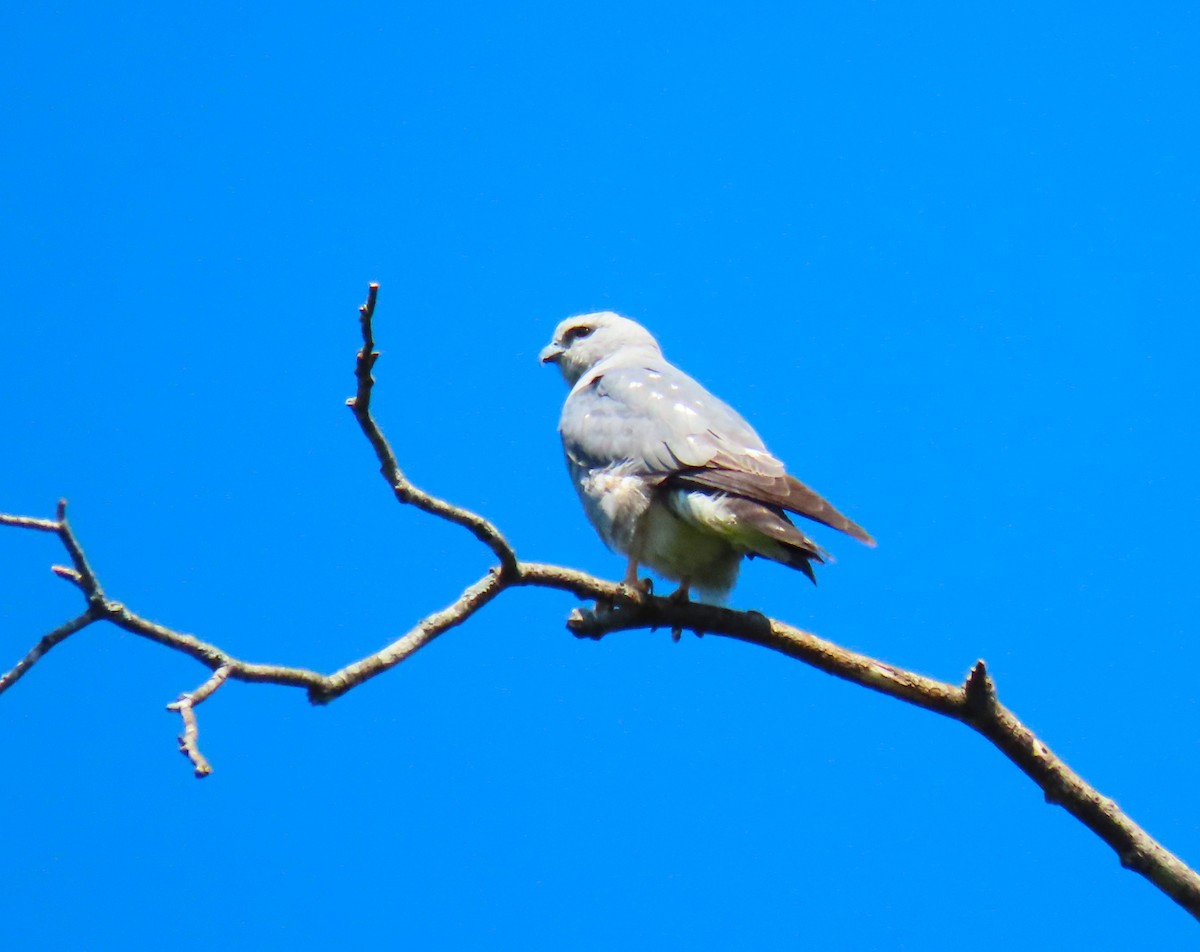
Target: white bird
x,y
670,476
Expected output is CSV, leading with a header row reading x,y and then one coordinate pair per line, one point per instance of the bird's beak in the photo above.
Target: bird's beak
x,y
550,353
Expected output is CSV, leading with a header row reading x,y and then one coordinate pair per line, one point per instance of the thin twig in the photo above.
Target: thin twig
x,y
70,575
186,706
466,605
404,490
29,522
87,578
45,643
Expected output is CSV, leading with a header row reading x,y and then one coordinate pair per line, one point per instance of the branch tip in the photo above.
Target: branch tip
x,y
67,574
372,293
979,690
581,623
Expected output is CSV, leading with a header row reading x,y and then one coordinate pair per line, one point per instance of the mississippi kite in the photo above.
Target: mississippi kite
x,y
670,476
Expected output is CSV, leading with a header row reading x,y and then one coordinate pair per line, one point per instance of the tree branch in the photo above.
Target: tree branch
x,y
34,655
405,491
973,703
186,706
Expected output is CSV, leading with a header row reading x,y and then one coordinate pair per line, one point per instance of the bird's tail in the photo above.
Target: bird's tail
x,y
752,527
775,537
777,492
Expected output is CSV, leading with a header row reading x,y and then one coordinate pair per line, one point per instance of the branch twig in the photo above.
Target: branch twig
x,y
405,491
45,643
185,704
974,703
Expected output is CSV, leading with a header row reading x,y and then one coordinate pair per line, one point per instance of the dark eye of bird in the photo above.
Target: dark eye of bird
x,y
577,333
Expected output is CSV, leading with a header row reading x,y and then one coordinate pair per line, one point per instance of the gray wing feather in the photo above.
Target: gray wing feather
x,y
665,425
650,412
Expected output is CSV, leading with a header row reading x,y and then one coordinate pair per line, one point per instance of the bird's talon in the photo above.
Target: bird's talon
x,y
680,596
633,593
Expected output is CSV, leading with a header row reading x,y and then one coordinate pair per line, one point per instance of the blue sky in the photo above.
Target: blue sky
x,y
943,258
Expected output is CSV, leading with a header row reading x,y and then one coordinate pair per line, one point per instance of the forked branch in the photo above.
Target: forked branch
x,y
973,703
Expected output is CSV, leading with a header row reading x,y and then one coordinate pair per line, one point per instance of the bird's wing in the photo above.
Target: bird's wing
x,y
657,419
662,424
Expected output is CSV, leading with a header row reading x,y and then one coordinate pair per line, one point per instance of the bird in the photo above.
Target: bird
x,y
669,475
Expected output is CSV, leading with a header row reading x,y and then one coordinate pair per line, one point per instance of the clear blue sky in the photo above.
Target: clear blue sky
x,y
942,256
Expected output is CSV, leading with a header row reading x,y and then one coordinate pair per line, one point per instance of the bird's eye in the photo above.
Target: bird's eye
x,y
578,332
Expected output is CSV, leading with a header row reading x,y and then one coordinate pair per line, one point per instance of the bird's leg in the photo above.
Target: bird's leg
x,y
637,587
634,586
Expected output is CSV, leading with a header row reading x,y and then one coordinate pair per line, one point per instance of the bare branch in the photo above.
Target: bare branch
x,y
974,703
34,655
87,579
466,605
29,522
617,612
405,491
186,706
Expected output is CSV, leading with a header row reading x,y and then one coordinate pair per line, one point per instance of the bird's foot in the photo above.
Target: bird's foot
x,y
681,595
636,589
633,588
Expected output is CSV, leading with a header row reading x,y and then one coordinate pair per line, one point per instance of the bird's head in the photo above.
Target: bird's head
x,y
582,342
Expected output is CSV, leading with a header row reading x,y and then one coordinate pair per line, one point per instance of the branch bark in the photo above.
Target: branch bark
x,y
617,608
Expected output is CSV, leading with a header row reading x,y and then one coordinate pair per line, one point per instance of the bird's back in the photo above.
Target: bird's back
x,y
640,408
